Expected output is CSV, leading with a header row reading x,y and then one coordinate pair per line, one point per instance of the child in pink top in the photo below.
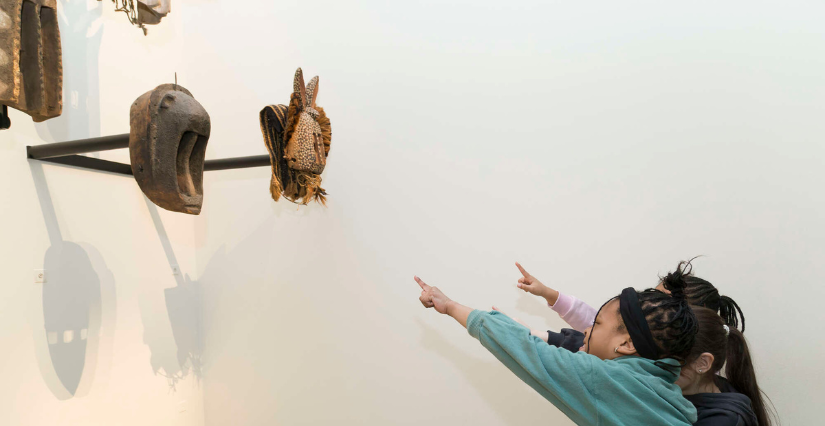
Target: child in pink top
x,y
573,311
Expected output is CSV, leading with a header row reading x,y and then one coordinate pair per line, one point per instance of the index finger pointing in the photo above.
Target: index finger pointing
x,y
523,272
423,285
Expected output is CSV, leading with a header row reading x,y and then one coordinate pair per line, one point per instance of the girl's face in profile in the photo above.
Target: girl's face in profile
x,y
605,338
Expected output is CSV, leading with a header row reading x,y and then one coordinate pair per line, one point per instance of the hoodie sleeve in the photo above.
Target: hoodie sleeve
x,y
567,338
573,311
562,377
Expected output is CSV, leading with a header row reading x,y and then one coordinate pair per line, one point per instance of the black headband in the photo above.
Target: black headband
x,y
636,324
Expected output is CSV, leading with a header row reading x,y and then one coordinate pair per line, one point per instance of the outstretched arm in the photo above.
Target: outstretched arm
x,y
562,377
532,285
573,311
432,297
541,334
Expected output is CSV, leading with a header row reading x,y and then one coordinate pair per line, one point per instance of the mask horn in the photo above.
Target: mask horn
x,y
298,86
312,91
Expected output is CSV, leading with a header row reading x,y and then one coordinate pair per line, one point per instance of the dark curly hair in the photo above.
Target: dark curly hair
x,y
669,317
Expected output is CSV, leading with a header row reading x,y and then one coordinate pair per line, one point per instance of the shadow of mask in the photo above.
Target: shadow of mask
x,y
69,296
183,306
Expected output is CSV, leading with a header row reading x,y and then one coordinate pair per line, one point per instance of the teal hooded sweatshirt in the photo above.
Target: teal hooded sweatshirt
x,y
627,391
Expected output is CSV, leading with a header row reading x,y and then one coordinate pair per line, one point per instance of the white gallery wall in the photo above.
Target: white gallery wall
x,y
107,251
597,144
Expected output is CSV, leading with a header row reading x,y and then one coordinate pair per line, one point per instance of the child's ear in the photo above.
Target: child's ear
x,y
703,363
626,348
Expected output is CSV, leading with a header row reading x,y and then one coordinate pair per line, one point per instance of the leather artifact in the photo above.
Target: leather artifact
x,y
143,12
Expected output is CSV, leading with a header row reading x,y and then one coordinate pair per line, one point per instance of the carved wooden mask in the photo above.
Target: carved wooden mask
x,y
167,145
31,68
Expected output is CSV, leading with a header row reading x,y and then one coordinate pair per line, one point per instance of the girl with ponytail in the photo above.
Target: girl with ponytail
x,y
733,400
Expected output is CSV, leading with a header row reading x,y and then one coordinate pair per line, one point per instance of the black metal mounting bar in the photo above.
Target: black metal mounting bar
x,y
237,163
80,146
5,121
66,153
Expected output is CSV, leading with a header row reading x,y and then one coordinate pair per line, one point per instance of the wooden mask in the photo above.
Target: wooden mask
x,y
167,146
31,67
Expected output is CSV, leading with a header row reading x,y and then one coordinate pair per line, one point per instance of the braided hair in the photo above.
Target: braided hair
x,y
669,317
702,293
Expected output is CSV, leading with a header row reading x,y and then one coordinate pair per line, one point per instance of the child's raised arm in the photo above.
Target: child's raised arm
x,y
562,377
541,334
573,311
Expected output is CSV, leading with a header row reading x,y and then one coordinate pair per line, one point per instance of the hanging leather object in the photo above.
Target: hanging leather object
x,y
169,131
298,138
150,12
143,12
31,67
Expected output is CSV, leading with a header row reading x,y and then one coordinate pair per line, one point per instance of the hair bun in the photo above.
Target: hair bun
x,y
675,282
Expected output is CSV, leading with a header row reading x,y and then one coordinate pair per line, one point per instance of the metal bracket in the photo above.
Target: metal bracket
x,y
66,153
5,121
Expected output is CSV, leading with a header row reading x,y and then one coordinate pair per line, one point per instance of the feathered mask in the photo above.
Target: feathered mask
x,y
298,139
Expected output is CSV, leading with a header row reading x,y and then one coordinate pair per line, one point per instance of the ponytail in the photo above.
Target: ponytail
x,y
730,350
741,375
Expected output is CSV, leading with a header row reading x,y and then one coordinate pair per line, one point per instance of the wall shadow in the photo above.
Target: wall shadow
x,y
179,356
78,310
536,306
81,31
492,380
183,304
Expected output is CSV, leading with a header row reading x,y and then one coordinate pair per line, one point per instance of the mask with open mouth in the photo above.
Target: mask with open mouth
x,y
167,146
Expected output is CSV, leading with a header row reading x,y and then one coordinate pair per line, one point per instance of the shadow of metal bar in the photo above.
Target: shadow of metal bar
x,y
91,164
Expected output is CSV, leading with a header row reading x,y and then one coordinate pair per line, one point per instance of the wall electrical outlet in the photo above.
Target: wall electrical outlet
x,y
39,276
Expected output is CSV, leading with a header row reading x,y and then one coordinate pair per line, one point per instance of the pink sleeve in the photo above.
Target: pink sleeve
x,y
577,314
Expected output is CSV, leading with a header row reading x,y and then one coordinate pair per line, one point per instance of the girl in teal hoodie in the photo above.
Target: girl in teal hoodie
x,y
624,373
